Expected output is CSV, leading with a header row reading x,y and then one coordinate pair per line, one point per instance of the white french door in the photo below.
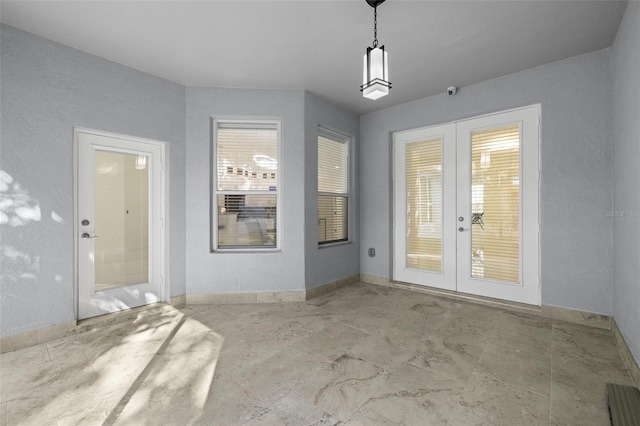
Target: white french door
x,y
119,229
466,206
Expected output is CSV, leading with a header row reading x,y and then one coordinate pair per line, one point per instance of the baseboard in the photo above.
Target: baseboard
x,y
625,353
552,312
332,286
179,301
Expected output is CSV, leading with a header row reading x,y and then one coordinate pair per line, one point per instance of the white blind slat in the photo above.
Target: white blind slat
x,y
495,201
424,204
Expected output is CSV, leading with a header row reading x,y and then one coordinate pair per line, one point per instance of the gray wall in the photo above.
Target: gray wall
x,y
576,155
626,228
329,263
47,89
221,272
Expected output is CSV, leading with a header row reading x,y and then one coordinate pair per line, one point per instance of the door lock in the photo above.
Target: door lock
x,y
85,222
461,219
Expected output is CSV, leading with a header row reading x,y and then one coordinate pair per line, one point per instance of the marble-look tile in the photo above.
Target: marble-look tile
x,y
529,370
578,387
587,373
447,355
272,377
34,356
385,350
362,354
587,341
341,387
413,396
366,417
523,334
489,401
3,414
573,407
293,410
332,341
371,320
285,333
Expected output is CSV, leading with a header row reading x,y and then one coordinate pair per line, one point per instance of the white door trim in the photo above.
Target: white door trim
x,y
164,235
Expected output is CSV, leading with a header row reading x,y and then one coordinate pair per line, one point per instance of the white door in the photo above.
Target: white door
x,y
425,224
487,207
119,229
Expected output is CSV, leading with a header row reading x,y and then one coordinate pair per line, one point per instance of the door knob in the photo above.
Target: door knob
x,y
86,235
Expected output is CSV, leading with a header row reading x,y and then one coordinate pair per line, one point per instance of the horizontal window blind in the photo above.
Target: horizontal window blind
x,y
495,200
247,157
424,204
246,195
333,187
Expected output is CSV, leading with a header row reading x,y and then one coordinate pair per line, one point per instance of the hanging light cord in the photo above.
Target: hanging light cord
x,y
375,26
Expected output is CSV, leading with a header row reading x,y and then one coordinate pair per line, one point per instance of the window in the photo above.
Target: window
x,y
245,195
333,187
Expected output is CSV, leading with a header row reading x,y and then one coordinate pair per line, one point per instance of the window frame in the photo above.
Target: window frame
x,y
246,122
337,136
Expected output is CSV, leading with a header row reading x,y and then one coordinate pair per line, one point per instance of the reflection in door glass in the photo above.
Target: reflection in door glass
x,y
495,203
121,219
424,205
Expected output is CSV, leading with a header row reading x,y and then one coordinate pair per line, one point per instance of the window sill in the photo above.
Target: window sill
x,y
338,243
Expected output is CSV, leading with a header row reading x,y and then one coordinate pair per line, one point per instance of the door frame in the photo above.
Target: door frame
x,y
164,234
534,176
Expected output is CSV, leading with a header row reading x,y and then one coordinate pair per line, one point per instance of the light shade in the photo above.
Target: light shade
x,y
375,73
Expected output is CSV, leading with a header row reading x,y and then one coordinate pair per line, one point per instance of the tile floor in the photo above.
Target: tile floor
x,y
364,355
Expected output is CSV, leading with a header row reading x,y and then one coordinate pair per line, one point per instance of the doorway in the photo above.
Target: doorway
x,y
119,225
466,206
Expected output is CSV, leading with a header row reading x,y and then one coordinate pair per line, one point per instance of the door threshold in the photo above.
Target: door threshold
x,y
480,300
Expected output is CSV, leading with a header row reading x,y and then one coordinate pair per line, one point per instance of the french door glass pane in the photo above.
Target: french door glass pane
x,y
121,219
424,204
495,203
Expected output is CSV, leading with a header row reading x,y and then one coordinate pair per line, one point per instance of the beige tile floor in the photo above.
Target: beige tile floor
x,y
364,355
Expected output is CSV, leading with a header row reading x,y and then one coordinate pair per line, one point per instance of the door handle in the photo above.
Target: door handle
x,y
86,235
461,229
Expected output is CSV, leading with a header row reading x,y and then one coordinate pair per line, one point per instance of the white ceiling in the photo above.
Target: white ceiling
x,y
318,45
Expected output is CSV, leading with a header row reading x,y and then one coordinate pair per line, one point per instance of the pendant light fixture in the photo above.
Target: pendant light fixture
x,y
375,72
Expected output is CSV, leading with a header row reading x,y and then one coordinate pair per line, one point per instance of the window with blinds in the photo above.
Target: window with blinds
x,y
424,205
495,203
245,199
333,187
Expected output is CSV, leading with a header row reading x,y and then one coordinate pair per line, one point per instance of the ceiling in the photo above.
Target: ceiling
x,y
318,45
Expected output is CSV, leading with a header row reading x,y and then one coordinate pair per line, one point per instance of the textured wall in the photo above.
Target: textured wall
x,y
576,155
47,89
329,263
626,222
221,272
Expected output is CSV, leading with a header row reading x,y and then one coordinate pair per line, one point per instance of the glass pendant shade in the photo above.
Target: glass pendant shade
x,y
375,73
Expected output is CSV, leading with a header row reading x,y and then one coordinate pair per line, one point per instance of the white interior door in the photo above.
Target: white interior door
x,y
425,232
119,229
481,175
